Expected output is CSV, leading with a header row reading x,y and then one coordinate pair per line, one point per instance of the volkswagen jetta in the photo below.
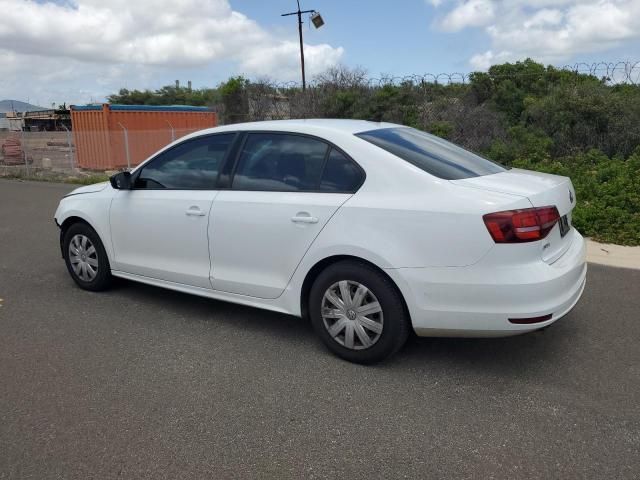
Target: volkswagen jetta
x,y
371,230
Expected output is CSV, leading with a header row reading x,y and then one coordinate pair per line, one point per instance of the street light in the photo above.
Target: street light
x,y
317,21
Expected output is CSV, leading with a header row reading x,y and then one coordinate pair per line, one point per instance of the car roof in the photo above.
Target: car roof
x,y
312,125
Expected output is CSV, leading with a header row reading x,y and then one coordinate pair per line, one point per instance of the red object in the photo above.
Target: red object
x,y
526,321
98,132
518,226
12,151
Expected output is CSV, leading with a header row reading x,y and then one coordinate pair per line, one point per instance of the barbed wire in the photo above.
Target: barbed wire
x,y
464,115
612,73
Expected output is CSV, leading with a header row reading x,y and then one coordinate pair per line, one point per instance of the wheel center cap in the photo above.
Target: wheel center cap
x,y
351,314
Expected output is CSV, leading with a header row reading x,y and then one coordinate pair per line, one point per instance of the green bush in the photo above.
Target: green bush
x,y
521,142
442,129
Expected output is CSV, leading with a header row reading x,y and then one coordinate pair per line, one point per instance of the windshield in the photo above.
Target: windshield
x,y
430,153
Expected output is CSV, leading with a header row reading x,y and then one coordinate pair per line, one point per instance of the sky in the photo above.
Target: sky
x,y
80,51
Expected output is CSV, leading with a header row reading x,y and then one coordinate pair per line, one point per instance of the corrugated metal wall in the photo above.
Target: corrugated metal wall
x,y
99,135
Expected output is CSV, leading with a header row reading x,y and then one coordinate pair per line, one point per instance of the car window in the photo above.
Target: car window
x,y
430,153
280,162
192,165
340,174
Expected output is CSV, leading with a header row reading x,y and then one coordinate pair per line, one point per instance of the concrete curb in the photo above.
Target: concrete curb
x,y
613,255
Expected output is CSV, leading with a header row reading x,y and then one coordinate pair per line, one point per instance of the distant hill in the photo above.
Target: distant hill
x,y
11,105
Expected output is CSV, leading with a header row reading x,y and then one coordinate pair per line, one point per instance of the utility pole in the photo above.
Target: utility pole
x,y
299,14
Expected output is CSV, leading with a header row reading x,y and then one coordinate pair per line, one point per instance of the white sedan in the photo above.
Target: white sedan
x,y
371,230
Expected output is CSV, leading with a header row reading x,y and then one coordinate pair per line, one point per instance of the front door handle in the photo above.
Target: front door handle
x,y
195,212
304,217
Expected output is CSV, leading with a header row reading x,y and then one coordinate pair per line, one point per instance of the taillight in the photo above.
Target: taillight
x,y
525,225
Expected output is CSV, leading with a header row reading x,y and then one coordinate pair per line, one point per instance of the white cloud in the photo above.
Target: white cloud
x,y
551,31
469,13
482,61
319,57
131,39
544,18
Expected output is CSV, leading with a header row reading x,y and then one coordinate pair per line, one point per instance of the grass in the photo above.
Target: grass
x,y
89,180
57,177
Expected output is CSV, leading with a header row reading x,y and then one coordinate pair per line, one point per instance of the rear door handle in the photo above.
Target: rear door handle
x,y
304,217
195,212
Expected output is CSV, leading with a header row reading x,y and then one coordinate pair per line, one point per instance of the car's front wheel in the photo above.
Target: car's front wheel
x,y
86,258
358,312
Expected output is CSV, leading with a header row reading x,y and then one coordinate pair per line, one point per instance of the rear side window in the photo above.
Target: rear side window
x,y
340,174
280,162
191,165
430,153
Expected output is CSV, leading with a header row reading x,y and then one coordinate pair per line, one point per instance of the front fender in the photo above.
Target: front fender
x,y
92,209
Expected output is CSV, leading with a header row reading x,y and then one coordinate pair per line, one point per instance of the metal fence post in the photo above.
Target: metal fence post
x,y
126,145
173,131
24,152
73,163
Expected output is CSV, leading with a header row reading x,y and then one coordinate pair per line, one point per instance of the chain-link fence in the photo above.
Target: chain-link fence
x,y
578,107
424,106
121,148
82,153
591,111
29,151
271,100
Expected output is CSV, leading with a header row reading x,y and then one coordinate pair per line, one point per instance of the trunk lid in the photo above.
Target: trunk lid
x,y
541,189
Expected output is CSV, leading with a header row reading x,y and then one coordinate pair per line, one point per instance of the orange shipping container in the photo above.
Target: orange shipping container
x,y
99,131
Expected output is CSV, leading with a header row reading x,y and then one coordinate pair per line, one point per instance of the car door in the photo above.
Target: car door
x,y
281,196
159,227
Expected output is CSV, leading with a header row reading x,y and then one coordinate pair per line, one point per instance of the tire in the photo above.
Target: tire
x,y
341,328
89,267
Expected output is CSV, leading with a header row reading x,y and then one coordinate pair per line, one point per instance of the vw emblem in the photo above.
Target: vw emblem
x,y
570,196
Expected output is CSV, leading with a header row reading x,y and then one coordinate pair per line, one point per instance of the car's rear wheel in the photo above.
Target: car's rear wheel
x,y
86,258
358,312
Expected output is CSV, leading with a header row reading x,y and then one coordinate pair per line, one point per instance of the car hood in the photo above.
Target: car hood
x,y
96,187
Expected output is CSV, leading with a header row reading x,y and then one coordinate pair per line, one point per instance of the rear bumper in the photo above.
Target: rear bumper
x,y
479,300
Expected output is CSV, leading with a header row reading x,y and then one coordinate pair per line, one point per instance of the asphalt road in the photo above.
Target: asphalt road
x,y
140,382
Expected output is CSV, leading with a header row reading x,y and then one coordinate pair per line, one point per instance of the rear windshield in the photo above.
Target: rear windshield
x,y
430,153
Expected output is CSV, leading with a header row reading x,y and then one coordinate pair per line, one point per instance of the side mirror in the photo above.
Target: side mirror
x,y
121,181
